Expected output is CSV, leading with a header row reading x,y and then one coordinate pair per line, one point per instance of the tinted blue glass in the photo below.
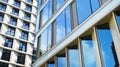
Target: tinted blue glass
x,y
73,53
95,5
47,12
39,4
61,62
49,35
68,20
118,19
88,53
83,10
51,65
43,42
59,3
105,39
60,27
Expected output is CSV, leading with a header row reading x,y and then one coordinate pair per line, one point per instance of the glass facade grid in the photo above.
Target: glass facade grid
x,y
2,7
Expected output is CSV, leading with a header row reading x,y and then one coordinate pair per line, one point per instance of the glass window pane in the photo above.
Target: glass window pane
x,y
51,65
105,39
88,53
59,3
83,9
68,20
61,61
95,5
73,53
60,27
46,12
43,42
118,19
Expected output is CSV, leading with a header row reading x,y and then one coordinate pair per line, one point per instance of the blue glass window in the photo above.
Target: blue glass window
x,y
51,65
24,35
1,16
17,3
23,46
5,55
21,58
61,61
15,11
2,7
118,19
27,16
11,31
46,12
28,8
8,42
5,1
39,4
88,52
105,40
45,43
30,1
85,8
59,3
73,53
25,25
13,21
63,24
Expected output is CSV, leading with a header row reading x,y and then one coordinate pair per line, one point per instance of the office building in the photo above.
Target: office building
x,y
78,33
17,31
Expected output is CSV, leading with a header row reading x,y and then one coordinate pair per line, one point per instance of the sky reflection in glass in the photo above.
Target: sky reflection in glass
x,y
61,62
88,53
51,65
73,58
105,39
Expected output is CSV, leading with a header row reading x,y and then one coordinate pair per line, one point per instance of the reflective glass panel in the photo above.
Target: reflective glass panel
x,y
51,65
88,53
83,10
61,61
73,58
46,12
105,39
60,27
95,5
59,3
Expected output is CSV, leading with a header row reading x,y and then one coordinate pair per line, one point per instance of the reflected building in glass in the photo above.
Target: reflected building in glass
x,y
78,33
